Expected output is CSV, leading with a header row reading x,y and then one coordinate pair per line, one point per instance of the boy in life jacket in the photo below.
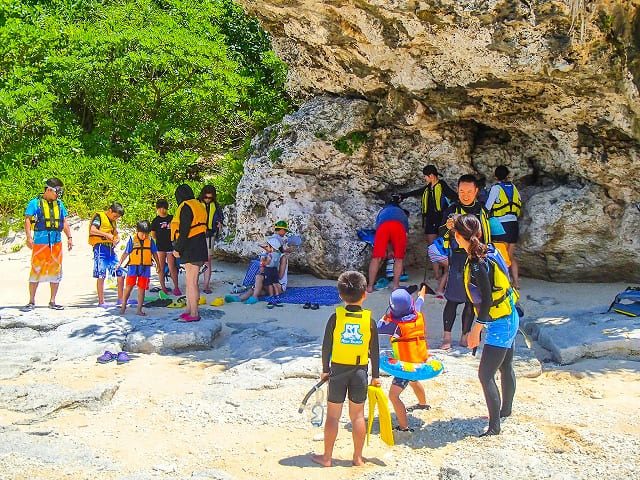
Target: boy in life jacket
x,y
350,341
103,237
405,324
141,250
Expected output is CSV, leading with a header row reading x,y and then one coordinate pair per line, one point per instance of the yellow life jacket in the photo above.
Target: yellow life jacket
x,y
141,252
351,337
106,226
211,211
484,224
411,345
198,223
437,196
50,217
502,293
506,204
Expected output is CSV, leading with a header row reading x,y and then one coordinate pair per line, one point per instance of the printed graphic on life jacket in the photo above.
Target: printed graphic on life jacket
x,y
351,334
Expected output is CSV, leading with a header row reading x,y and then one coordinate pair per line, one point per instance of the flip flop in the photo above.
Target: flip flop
x,y
178,303
207,291
55,306
307,306
202,301
417,406
216,302
107,357
315,306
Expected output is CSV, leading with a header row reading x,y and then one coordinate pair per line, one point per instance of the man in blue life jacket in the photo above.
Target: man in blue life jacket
x,y
44,219
504,203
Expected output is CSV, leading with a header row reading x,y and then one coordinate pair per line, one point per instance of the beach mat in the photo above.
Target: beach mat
x,y
252,271
322,295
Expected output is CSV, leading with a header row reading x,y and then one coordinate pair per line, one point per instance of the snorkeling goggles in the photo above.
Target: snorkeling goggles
x,y
59,190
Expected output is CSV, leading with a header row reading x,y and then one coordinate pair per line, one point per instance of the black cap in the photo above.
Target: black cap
x,y
430,170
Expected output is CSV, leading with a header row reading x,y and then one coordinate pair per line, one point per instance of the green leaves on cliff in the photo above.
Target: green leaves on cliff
x,y
136,83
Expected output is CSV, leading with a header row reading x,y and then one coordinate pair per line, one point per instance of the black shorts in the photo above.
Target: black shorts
x,y
270,276
355,383
511,235
432,223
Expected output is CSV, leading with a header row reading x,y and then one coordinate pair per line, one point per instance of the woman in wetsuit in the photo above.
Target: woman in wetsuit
x,y
489,288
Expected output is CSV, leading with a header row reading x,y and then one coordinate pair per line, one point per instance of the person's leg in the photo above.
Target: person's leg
x,y
192,293
436,267
173,269
511,249
374,266
334,410
162,261
125,297
398,406
358,431
444,277
33,287
492,358
468,314
100,290
120,284
507,382
399,241
397,272
257,288
54,291
419,392
140,302
448,318
207,275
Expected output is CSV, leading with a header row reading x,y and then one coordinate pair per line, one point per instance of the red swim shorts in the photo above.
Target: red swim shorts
x,y
390,231
142,282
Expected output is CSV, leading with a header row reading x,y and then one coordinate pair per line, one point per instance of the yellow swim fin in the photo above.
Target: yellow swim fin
x,y
377,397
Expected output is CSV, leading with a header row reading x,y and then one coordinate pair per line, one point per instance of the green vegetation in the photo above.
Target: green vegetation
x,y
120,98
275,154
349,144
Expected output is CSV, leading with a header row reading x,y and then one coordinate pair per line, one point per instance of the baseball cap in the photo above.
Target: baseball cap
x,y
281,224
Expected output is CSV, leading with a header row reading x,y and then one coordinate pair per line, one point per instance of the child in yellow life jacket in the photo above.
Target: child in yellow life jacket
x,y
350,341
405,324
140,250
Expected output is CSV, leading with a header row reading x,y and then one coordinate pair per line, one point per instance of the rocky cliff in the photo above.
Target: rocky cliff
x,y
549,88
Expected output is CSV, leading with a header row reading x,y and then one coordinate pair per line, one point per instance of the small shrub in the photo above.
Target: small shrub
x,y
275,154
349,144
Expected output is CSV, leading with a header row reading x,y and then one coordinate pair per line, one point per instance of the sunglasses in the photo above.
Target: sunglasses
x,y
208,197
59,191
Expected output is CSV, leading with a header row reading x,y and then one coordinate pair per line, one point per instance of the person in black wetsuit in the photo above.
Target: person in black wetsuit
x,y
488,284
454,291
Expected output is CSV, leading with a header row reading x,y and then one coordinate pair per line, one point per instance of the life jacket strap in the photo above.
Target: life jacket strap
x,y
412,339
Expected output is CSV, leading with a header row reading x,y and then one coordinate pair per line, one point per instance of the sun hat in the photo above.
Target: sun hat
x,y
281,224
401,305
272,241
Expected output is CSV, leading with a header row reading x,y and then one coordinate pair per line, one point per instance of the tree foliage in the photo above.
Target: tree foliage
x,y
140,87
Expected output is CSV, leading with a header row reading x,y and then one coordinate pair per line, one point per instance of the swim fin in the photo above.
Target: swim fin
x,y
377,397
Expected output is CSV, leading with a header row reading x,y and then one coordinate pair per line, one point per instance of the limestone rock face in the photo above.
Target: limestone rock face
x,y
547,89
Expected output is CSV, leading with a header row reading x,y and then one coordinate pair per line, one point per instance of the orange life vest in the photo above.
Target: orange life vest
x,y
411,346
141,252
198,223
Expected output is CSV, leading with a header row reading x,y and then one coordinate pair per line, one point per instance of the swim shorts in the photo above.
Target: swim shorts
x,y
390,231
355,383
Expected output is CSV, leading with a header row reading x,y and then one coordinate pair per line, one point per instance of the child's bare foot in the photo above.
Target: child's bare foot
x,y
359,461
123,309
141,313
369,289
320,460
445,346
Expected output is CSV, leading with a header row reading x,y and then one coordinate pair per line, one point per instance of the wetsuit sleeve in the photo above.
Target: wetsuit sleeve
x,y
479,276
186,217
493,196
418,192
327,343
374,351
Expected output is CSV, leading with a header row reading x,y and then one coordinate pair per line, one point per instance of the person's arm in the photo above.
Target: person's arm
x,y
493,196
479,276
67,231
374,355
449,193
186,217
127,250
443,230
27,230
418,192
327,344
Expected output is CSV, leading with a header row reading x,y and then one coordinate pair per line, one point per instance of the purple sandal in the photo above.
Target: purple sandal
x,y
107,357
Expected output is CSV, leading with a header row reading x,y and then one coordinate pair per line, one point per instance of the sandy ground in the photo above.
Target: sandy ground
x,y
154,423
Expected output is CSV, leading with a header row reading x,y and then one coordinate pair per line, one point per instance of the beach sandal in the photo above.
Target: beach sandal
x,y
231,298
154,289
122,357
251,301
106,305
207,291
55,306
307,306
381,283
28,307
188,318
417,406
398,429
270,305
217,302
180,302
159,302
202,301
315,306
107,357
164,295
177,291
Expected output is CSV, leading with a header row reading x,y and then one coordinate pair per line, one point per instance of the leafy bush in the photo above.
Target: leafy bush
x,y
119,98
349,144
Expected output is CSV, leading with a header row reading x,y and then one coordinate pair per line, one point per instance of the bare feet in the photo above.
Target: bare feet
x,y
369,289
463,340
445,346
320,460
446,341
141,313
123,309
359,461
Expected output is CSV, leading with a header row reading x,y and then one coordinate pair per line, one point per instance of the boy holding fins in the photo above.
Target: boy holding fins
x,y
350,340
405,324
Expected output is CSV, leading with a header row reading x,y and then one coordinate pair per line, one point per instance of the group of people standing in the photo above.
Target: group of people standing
x,y
186,237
